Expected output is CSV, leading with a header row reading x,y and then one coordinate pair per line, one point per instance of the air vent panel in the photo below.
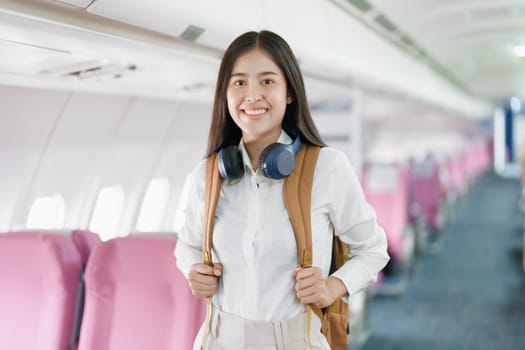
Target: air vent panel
x,y
88,69
385,23
77,3
407,40
192,33
361,5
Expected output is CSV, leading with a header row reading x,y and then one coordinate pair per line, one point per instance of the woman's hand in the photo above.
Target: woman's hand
x,y
312,288
203,279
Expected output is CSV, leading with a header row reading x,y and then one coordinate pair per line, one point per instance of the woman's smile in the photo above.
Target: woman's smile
x,y
254,114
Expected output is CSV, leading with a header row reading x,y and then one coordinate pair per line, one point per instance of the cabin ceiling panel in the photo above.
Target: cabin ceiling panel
x,y
481,34
42,53
331,37
327,40
173,17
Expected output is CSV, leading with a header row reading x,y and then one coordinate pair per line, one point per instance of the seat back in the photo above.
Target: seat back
x,y
425,186
137,299
85,241
386,189
455,168
39,274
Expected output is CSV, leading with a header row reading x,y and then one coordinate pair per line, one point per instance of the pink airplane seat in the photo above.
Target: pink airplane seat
x,y
456,173
426,191
137,299
39,274
85,241
386,189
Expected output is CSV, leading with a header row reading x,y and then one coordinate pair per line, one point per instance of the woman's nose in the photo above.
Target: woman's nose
x,y
253,93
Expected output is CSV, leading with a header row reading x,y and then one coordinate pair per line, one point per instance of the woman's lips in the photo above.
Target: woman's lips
x,y
254,113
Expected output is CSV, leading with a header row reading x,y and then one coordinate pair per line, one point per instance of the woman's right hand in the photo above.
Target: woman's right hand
x,y
203,279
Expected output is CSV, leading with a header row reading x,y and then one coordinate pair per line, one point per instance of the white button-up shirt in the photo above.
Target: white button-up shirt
x,y
254,241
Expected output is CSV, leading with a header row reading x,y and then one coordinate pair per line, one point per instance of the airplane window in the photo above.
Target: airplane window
x,y
107,213
154,205
47,213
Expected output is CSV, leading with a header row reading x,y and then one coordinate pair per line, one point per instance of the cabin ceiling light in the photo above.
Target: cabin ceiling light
x,y
519,50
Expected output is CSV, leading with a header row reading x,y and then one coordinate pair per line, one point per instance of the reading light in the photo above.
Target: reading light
x,y
519,50
515,104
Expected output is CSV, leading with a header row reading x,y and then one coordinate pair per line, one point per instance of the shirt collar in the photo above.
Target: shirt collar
x,y
283,138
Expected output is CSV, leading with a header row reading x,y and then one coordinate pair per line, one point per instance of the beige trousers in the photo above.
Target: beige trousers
x,y
228,332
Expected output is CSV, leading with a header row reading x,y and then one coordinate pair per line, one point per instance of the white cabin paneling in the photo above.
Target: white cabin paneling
x,y
75,143
74,156
184,148
133,152
27,119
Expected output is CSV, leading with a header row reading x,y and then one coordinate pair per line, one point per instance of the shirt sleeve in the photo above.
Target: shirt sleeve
x,y
355,223
188,250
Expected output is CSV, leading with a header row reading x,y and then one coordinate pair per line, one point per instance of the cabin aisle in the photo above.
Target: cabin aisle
x,y
472,294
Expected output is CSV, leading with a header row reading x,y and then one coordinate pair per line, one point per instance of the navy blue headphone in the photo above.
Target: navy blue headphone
x,y
276,160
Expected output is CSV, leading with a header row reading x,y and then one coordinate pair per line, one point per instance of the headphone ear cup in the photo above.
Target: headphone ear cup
x,y
277,161
231,166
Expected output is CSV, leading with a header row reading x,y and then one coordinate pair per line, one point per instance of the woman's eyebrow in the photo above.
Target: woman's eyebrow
x,y
259,74
238,75
267,73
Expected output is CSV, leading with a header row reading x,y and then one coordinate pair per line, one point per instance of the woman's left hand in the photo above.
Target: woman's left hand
x,y
312,288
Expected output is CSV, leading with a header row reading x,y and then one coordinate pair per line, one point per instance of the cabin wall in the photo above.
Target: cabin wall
x,y
86,141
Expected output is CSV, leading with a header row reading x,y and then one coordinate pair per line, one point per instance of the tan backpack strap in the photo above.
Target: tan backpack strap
x,y
297,192
211,198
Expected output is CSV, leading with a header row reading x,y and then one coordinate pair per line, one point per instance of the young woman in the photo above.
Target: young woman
x,y
259,295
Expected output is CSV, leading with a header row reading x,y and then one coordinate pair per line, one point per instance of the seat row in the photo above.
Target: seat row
x,y
413,202
70,291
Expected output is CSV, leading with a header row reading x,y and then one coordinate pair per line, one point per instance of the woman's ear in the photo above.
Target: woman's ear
x,y
289,100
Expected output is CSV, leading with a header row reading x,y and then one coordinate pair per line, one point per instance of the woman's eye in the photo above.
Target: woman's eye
x,y
267,81
238,83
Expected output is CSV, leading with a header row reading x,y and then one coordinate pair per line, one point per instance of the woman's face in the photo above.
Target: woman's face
x,y
257,96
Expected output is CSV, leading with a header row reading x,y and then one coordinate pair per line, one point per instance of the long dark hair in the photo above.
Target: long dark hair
x,y
297,118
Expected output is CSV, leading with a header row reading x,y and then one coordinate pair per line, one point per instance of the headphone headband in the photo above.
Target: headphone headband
x,y
276,161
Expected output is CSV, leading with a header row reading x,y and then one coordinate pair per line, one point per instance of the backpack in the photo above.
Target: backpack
x,y
297,190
